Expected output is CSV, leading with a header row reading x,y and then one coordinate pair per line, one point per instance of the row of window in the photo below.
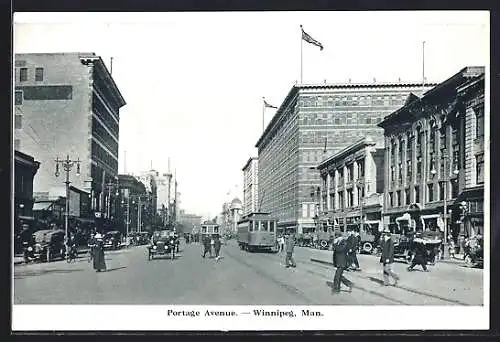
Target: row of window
x,y
352,100
434,193
24,74
261,226
353,121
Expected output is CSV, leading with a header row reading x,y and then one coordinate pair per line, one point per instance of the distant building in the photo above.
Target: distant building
x,y
250,186
235,209
313,122
130,189
191,223
434,144
352,186
67,104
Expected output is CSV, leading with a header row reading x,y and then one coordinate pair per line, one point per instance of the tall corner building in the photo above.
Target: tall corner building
x,y
67,104
313,123
250,186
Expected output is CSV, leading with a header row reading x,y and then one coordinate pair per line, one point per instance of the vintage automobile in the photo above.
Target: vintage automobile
x,y
112,239
163,242
48,245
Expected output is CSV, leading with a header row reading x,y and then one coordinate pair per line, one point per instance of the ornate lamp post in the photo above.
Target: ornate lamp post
x,y
446,179
67,166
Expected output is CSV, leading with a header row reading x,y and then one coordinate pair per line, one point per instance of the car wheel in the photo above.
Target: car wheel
x,y
468,260
367,247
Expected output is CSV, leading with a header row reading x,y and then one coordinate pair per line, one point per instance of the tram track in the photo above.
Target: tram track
x,y
292,289
362,276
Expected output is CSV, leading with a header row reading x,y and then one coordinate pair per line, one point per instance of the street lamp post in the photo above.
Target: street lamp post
x,y
127,223
445,158
67,166
111,186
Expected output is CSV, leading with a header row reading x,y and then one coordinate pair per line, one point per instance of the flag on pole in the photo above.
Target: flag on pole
x,y
310,39
267,105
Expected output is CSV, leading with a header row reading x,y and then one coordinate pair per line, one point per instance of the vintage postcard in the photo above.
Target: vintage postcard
x,y
251,171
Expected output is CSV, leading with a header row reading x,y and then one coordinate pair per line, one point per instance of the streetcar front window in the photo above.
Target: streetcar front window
x,y
204,229
271,226
216,230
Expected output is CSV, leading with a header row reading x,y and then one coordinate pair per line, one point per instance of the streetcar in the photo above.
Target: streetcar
x,y
209,229
257,231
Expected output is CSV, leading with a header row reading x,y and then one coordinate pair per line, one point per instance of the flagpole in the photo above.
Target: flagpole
x,y
301,44
423,66
263,112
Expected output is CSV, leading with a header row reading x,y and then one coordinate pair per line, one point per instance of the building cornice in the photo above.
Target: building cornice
x,y
100,67
419,106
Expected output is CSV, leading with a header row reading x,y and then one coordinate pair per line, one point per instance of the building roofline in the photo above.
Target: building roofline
x,y
99,63
248,162
466,72
297,87
365,141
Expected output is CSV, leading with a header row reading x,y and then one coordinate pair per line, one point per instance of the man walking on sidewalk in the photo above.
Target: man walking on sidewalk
x,y
387,257
290,243
340,261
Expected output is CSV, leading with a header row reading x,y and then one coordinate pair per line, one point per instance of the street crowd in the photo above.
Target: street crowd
x,y
345,248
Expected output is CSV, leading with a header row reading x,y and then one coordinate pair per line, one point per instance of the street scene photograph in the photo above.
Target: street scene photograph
x,y
274,160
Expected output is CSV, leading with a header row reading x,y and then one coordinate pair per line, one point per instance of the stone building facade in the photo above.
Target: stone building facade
x,y
425,158
472,156
352,181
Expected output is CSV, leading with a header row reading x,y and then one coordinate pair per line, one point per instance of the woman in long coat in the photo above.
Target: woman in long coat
x,y
98,257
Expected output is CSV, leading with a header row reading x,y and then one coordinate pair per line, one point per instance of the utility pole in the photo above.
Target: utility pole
x,y
67,166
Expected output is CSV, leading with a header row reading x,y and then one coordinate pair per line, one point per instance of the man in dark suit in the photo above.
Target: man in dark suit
x,y
352,247
420,253
387,257
206,246
340,262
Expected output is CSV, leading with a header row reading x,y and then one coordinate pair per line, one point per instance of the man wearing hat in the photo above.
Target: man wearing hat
x,y
420,253
340,261
387,257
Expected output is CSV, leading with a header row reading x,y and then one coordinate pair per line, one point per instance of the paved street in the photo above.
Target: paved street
x,y
238,278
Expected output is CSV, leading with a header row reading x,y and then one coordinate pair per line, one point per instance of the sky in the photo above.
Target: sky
x,y
194,82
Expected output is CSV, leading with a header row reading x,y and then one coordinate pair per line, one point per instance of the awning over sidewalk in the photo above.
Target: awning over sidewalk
x,y
42,206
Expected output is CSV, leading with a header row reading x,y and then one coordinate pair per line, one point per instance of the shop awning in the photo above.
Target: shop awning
x,y
26,218
42,205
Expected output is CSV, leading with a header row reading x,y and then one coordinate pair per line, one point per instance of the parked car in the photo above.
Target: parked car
x,y
112,240
48,245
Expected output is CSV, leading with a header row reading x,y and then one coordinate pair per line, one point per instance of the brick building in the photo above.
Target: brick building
x,y
250,186
67,104
313,122
425,156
